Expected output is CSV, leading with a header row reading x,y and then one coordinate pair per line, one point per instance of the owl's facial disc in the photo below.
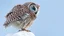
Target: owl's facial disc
x,y
33,8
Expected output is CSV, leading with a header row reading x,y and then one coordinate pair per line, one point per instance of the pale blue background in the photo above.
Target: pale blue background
x,y
50,21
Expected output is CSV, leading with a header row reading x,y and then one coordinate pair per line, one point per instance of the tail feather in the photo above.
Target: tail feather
x,y
5,24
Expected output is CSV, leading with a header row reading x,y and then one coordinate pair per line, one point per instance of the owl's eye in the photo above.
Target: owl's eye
x,y
33,8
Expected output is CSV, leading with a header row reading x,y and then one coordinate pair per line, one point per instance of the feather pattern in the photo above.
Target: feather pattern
x,y
22,16
17,13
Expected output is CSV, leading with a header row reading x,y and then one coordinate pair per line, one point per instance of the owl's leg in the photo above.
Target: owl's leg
x,y
26,30
28,25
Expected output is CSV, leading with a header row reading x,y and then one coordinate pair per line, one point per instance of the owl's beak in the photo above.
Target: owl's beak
x,y
35,12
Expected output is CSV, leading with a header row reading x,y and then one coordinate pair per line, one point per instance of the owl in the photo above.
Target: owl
x,y
22,16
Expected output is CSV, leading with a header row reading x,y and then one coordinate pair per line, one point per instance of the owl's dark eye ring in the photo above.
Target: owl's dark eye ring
x,y
33,8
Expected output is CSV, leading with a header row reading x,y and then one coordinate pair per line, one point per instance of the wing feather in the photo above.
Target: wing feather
x,y
16,14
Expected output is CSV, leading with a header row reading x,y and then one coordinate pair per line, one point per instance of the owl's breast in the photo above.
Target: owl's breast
x,y
23,21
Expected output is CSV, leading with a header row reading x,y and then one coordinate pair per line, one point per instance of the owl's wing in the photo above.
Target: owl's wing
x,y
17,13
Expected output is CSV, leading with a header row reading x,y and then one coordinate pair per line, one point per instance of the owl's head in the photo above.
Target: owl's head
x,y
32,7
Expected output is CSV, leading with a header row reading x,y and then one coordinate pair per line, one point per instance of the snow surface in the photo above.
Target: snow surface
x,y
21,33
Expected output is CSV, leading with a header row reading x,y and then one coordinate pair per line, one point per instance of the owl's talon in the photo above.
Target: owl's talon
x,y
26,30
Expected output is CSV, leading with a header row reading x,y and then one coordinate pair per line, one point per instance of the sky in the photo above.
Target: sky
x,y
50,20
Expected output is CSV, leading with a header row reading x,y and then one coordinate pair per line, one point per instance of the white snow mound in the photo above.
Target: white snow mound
x,y
21,33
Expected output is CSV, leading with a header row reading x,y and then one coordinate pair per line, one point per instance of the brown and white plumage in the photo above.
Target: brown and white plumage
x,y
22,16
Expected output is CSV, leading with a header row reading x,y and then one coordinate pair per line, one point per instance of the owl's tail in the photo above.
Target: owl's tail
x,y
5,24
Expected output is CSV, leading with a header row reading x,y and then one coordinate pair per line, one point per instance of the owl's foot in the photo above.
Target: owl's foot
x,y
26,30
